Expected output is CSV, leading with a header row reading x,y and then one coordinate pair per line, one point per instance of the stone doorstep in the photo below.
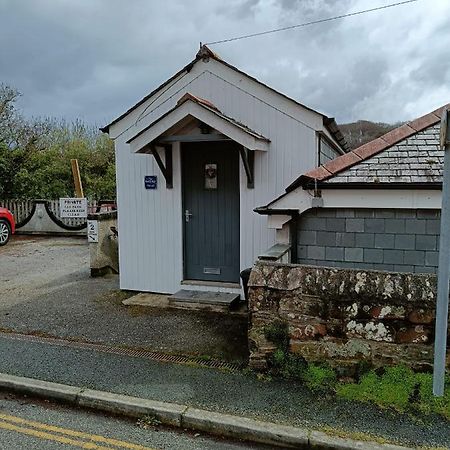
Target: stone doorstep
x,y
152,300
219,301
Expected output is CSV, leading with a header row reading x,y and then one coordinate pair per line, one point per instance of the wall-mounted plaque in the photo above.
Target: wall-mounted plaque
x,y
211,176
150,182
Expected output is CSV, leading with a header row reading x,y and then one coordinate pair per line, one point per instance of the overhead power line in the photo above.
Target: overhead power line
x,y
300,25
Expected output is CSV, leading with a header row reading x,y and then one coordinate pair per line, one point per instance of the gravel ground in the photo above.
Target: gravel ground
x,y
236,393
46,288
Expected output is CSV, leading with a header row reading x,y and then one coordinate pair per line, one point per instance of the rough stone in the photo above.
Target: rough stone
x,y
343,316
308,331
414,335
421,316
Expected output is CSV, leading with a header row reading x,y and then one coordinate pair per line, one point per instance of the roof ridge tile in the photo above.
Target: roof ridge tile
x,y
424,121
398,134
188,96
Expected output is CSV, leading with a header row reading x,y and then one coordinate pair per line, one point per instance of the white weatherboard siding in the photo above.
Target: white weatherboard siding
x,y
150,221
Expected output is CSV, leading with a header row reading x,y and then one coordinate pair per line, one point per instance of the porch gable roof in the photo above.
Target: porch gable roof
x,y
192,107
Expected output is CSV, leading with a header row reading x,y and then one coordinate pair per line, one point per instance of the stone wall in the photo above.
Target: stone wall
x,y
381,239
343,316
104,254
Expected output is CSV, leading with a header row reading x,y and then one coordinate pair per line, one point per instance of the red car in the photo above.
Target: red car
x,y
7,226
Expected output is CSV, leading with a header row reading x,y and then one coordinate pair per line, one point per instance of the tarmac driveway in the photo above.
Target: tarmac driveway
x,y
46,289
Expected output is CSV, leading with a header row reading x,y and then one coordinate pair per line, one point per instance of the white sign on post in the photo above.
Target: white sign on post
x,y
71,208
92,230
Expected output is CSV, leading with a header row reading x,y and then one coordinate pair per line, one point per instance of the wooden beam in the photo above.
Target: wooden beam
x,y
77,178
248,159
167,169
193,138
169,166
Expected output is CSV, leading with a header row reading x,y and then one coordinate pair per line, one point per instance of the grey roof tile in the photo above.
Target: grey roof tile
x,y
417,159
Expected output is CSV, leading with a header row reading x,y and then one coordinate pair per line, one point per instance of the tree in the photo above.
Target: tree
x,y
35,155
9,119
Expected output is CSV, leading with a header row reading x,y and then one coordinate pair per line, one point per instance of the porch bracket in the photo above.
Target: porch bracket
x,y
167,170
248,159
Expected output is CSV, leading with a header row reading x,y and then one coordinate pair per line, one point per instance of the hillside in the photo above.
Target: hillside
x,y
363,131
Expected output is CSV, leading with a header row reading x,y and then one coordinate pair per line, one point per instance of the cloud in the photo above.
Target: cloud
x,y
94,58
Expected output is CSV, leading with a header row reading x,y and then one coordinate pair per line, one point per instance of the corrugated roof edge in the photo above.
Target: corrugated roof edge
x,y
366,151
206,52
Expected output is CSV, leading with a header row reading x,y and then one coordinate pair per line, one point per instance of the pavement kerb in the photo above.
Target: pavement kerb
x,y
167,413
31,386
183,416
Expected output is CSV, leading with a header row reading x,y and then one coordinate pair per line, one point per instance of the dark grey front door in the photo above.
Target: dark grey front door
x,y
210,174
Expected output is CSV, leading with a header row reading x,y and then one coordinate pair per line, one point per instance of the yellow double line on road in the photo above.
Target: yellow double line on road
x,y
63,435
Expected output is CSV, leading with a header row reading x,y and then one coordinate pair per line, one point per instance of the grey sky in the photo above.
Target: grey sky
x,y
95,58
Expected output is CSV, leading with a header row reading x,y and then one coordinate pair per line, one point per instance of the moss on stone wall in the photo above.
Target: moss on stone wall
x,y
341,316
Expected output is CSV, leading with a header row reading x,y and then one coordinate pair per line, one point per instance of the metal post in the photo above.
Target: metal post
x,y
440,343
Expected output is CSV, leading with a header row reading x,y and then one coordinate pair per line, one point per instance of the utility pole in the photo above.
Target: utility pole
x,y
440,342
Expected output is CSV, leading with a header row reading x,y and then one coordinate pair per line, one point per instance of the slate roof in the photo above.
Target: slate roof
x,y
417,159
407,154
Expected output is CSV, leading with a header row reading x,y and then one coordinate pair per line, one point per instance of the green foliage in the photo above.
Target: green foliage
x,y
399,388
320,377
278,333
288,365
396,387
35,156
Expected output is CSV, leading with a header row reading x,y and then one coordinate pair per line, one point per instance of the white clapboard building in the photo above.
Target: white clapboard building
x,y
194,158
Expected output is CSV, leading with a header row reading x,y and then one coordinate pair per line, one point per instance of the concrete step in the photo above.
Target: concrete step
x,y
214,301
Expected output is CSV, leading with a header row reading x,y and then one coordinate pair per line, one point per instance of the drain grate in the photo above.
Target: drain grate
x,y
124,351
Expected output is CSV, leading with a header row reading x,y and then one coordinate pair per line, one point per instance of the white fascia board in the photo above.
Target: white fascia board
x,y
277,221
189,108
300,199
382,198
133,122
159,128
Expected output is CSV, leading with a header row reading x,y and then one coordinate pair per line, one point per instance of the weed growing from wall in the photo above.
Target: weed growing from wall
x,y
289,365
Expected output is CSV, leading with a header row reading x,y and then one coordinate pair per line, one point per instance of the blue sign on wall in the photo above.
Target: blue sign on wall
x,y
150,182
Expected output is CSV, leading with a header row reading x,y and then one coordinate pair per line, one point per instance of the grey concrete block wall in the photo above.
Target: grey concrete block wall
x,y
381,239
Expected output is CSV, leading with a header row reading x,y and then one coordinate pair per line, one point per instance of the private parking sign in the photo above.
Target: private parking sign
x,y
73,208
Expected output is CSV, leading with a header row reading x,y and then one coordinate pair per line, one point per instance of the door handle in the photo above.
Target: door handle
x,y
187,215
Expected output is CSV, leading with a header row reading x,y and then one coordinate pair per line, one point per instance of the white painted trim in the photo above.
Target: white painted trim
x,y
382,198
277,221
356,198
300,199
215,120
283,236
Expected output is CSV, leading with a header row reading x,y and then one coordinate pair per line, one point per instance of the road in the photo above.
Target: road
x,y
31,424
